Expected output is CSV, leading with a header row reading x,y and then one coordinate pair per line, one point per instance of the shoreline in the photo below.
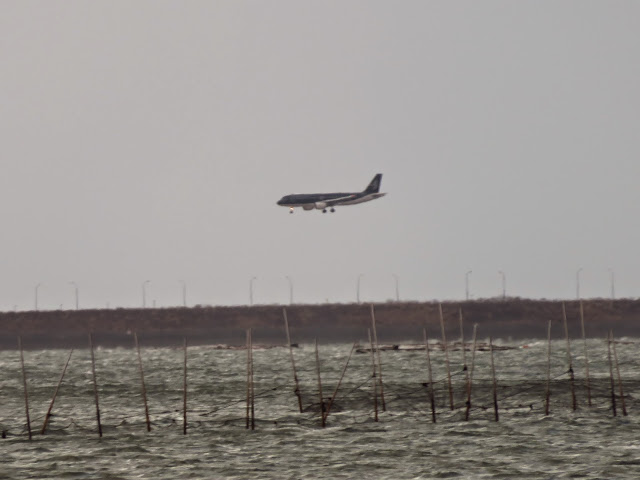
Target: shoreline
x,y
512,318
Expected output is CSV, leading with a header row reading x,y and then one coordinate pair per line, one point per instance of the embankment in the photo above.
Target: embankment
x,y
396,321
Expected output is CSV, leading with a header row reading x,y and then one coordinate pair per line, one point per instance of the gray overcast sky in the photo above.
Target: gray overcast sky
x,y
150,140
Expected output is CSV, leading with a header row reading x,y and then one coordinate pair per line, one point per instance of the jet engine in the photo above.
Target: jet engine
x,y
308,206
321,205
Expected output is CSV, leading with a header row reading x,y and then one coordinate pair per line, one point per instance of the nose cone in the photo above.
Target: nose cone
x,y
280,202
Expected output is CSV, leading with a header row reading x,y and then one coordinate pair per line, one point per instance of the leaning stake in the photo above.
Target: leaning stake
x,y
95,385
293,363
333,397
571,377
144,388
24,381
55,394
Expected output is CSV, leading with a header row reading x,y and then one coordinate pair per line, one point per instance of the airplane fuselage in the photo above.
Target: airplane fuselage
x,y
322,201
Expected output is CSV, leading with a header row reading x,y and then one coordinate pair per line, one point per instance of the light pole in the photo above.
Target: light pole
x,y
36,295
144,293
358,288
504,284
397,288
184,293
251,290
466,283
578,283
613,284
75,286
290,289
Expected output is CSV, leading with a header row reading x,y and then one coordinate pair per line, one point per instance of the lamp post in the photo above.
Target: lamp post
x,y
251,290
36,295
613,284
144,293
75,286
290,289
184,293
358,288
397,288
504,284
466,283
578,283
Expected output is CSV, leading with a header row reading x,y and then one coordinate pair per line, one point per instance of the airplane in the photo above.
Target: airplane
x,y
322,201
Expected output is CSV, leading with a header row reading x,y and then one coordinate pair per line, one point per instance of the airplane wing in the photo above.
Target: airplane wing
x,y
337,201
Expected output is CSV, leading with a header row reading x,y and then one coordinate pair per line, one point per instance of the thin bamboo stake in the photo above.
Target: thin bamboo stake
x,y
586,355
24,381
495,384
344,370
470,376
144,388
432,397
293,363
95,385
55,394
184,402
375,339
375,380
446,357
613,387
571,376
253,396
322,417
548,390
615,357
464,350
248,421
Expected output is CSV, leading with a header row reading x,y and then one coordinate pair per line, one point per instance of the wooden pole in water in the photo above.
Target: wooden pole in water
x,y
184,402
432,398
322,417
144,388
615,357
95,385
24,381
253,395
375,380
446,356
293,363
464,350
613,387
248,421
344,370
586,355
470,375
495,384
375,339
55,394
548,391
571,377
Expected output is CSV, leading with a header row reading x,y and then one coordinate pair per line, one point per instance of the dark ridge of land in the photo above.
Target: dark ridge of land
x,y
514,318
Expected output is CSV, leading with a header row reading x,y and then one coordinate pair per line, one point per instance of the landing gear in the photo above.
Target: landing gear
x,y
290,209
332,210
324,210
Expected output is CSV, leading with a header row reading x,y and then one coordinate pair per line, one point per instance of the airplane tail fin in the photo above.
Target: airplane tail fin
x,y
374,186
